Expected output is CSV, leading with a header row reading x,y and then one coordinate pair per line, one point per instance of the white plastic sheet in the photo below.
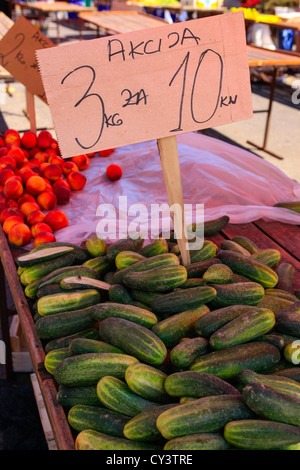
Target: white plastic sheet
x,y
226,179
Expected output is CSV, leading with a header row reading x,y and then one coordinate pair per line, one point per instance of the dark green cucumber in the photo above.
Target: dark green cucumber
x,y
87,345
249,267
246,243
218,274
128,312
71,396
143,296
286,273
290,205
227,363
233,246
288,320
198,269
292,373
185,352
81,417
270,404
57,275
147,382
254,434
124,244
134,339
246,293
127,258
172,329
115,395
197,385
183,299
64,324
211,227
193,282
96,247
272,338
120,294
269,256
65,341
55,357
160,279
208,251
166,259
276,382
214,320
142,427
59,303
158,247
101,264
48,290
38,271
276,304
282,294
202,441
208,414
94,440
244,328
81,254
87,369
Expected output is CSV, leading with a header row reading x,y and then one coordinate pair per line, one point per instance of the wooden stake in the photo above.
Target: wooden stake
x,y
169,159
30,111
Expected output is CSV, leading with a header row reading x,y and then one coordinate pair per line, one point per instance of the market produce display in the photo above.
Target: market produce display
x,y
34,182
150,354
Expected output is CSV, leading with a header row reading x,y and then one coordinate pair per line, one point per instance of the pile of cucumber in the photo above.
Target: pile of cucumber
x,y
149,354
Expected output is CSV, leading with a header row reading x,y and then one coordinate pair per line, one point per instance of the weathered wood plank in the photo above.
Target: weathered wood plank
x,y
287,236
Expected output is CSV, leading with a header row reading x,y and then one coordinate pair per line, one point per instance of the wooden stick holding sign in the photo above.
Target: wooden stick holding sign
x,y
146,85
171,172
30,110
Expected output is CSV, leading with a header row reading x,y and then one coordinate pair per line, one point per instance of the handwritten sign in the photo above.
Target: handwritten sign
x,y
147,84
17,54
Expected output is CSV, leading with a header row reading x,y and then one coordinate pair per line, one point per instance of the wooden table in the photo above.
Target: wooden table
x,y
285,238
259,57
45,8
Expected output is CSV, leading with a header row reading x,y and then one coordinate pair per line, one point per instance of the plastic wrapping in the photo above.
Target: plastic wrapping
x,y
226,179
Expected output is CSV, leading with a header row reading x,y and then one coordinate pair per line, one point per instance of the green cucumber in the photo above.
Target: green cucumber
x,y
249,267
292,373
290,205
119,294
202,441
38,271
185,352
269,256
88,345
94,440
87,369
288,320
166,259
246,243
115,395
218,274
147,382
208,414
254,434
48,254
127,258
283,294
142,427
199,268
233,246
71,396
193,282
59,303
159,246
124,244
133,339
227,363
64,324
215,319
101,264
128,312
276,304
183,299
197,385
55,357
210,227
281,384
270,404
272,338
47,290
286,273
172,329
143,296
82,417
96,246
57,275
244,328
160,279
208,251
246,293
65,341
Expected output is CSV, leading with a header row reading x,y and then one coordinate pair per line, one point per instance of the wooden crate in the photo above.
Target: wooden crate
x,y
20,355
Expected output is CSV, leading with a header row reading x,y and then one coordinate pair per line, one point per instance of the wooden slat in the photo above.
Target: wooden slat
x,y
263,240
287,236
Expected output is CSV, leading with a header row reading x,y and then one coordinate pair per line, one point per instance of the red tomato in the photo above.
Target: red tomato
x,y
114,172
106,153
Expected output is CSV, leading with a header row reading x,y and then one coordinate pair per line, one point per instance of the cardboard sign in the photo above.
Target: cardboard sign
x,y
17,54
148,84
